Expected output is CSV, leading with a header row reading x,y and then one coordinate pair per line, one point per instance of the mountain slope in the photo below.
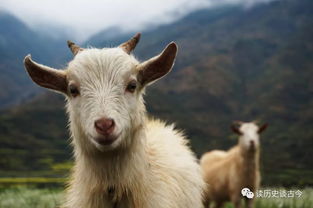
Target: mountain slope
x,y
16,41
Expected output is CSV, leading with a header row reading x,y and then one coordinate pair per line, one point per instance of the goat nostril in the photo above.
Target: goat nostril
x,y
104,126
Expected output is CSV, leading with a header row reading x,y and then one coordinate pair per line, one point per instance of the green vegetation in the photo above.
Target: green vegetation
x,y
306,201
30,198
51,198
35,181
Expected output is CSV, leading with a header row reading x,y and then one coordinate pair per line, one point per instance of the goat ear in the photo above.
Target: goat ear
x,y
158,66
262,128
235,129
45,76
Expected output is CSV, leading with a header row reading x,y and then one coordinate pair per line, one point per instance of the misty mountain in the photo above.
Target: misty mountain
x,y
106,35
233,64
16,41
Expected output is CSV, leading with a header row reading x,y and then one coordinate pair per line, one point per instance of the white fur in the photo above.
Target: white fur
x,y
227,173
150,164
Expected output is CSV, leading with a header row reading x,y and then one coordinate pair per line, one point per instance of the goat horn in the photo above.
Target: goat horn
x,y
74,48
130,45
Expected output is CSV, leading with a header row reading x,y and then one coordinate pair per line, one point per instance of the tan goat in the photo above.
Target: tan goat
x,y
227,173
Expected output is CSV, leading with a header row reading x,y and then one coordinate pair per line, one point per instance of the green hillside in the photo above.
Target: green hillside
x,y
233,64
33,138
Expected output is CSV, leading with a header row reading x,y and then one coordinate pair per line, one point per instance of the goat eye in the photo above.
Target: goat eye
x,y
131,87
73,90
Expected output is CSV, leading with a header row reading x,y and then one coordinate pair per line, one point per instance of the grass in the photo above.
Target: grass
x,y
40,182
30,198
305,201
31,180
51,198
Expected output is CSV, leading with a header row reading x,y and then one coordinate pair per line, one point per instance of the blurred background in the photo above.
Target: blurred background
x,y
238,60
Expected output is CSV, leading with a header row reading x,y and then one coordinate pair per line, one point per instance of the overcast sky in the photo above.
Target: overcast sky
x,y
86,17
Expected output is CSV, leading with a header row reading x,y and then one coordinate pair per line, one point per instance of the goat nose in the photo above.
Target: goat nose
x,y
104,126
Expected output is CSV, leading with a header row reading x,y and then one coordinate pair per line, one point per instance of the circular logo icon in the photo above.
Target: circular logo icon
x,y
244,191
250,195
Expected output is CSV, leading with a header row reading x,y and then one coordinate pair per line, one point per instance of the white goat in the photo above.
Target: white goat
x,y
122,158
227,173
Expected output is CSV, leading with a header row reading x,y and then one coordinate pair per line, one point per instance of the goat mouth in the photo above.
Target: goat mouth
x,y
106,140
252,147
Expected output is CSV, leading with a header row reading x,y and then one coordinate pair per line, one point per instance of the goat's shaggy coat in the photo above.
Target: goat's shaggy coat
x,y
227,173
149,164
